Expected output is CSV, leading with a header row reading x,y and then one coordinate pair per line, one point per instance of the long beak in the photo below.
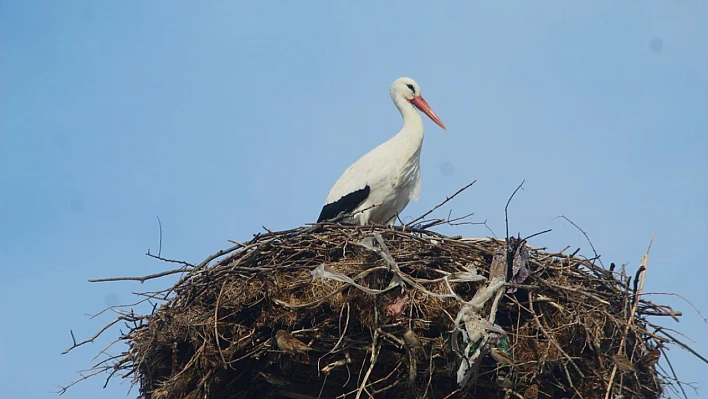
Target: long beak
x,y
422,105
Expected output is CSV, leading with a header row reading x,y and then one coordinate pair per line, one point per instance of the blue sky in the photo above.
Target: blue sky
x,y
230,116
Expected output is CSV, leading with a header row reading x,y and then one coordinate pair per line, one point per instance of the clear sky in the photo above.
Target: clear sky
x,y
230,116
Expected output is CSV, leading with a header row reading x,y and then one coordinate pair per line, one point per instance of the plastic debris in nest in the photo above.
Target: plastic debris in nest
x,y
478,335
512,257
399,278
482,337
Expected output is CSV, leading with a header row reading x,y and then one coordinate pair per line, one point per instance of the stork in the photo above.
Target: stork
x,y
379,185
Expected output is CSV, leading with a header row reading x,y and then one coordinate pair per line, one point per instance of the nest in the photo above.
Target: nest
x,y
334,311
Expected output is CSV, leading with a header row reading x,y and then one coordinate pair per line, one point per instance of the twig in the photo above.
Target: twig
x,y
141,279
63,389
525,239
639,274
342,333
673,372
584,233
93,338
684,346
684,299
159,222
579,291
375,347
216,324
93,316
218,254
447,199
506,208
630,316
674,314
554,342
450,222
181,262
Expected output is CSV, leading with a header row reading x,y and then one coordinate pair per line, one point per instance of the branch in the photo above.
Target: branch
x,y
159,250
63,389
180,262
98,334
447,199
526,239
635,304
673,372
584,233
684,299
218,254
684,346
506,208
141,279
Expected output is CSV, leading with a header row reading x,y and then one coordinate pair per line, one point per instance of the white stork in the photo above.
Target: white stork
x,y
377,187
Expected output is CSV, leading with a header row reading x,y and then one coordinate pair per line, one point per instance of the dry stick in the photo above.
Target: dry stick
x,y
218,254
512,392
342,334
674,314
382,379
141,279
507,243
525,239
447,199
216,323
181,262
104,350
661,329
317,302
346,394
506,208
620,349
93,338
584,233
430,373
130,305
671,367
451,222
554,342
579,291
684,299
63,389
375,346
209,259
653,309
159,250
684,346
451,394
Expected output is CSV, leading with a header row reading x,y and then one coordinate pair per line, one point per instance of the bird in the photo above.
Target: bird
x,y
652,357
624,364
413,342
289,344
379,185
531,392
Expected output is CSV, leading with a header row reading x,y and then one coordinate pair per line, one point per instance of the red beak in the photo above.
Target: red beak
x,y
422,105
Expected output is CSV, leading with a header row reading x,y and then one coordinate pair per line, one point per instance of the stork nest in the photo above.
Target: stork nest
x,y
334,311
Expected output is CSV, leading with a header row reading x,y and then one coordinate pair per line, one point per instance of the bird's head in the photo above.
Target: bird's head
x,y
408,89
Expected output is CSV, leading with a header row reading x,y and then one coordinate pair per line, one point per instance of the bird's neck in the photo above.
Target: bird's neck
x,y
412,132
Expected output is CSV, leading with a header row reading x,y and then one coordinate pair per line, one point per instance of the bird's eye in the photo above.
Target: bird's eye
x,y
410,86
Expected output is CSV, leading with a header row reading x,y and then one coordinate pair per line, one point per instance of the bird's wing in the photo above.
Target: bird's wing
x,y
345,204
415,193
370,172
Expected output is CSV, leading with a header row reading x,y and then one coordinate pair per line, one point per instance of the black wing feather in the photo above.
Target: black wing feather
x,y
344,205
